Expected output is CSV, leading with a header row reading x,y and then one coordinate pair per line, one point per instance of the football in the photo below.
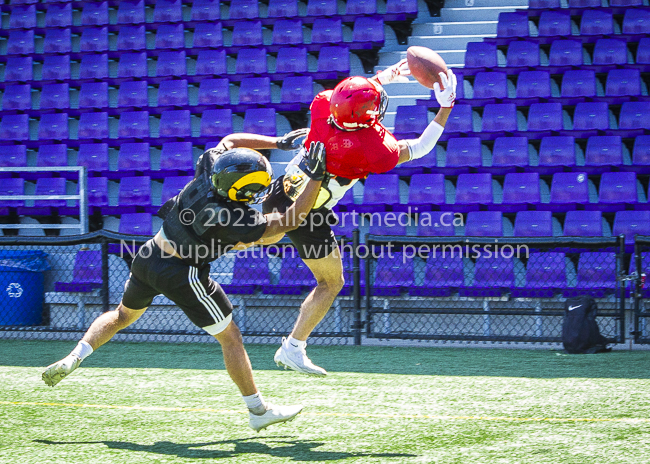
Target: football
x,y
425,64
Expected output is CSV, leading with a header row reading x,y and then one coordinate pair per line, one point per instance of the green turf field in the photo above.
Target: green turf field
x,y
160,403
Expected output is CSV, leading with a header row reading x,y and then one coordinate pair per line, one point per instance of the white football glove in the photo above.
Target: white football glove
x,y
446,96
395,73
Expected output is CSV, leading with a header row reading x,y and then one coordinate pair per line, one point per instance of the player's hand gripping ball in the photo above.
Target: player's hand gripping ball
x,y
446,90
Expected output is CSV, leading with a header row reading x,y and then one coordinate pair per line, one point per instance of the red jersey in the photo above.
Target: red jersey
x,y
351,154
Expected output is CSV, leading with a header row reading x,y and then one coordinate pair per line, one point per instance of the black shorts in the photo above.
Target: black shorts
x,y
314,239
191,288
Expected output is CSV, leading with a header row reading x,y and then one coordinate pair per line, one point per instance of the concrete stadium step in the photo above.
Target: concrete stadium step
x,y
456,28
412,89
453,58
490,13
446,42
406,100
485,3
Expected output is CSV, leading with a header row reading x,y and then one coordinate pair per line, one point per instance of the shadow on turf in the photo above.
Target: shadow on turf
x,y
282,447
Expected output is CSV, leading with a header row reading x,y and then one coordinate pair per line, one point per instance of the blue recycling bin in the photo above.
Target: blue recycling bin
x,y
21,287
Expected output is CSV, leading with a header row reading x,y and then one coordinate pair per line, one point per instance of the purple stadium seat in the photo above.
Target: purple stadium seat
x,y
93,126
94,67
520,190
171,64
481,55
176,156
636,21
509,153
94,13
135,191
388,223
410,121
131,12
214,92
625,3
630,223
380,191
283,9
175,123
57,41
394,274
545,117
97,190
623,83
14,127
641,154
463,153
249,274
216,123
173,93
634,115
212,62
134,124
578,83
567,190
297,89
206,10
93,95
499,117
20,42
436,224
131,38
132,65
565,53
545,274
544,4
334,59
321,8
425,191
136,224
12,186
596,274
287,31
247,34
50,186
584,3
18,68
94,39
170,36
132,93
58,15
608,52
534,224
596,22
251,61
401,6
17,97
522,53
22,17
512,25
86,274
291,60
255,90
484,224
13,156
472,191
208,35
56,67
172,186
134,157
327,30
260,121
617,189
167,11
460,120
583,224
490,85
492,276
602,153
295,277
554,24
590,117
443,273
52,155
55,96
53,126
244,9
368,29
556,151
94,156
361,7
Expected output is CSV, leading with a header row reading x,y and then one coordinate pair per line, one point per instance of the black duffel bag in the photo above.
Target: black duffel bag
x,y
580,332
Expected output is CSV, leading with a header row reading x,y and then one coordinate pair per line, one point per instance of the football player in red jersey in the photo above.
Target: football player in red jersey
x,y
348,121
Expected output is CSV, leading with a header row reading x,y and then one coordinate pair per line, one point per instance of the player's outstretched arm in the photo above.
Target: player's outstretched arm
x,y
417,148
262,142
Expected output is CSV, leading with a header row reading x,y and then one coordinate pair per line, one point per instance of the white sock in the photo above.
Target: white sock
x,y
82,350
255,403
295,344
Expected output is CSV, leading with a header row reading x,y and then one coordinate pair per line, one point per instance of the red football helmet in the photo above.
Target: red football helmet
x,y
357,102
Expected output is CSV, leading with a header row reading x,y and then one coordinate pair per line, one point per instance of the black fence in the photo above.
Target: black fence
x,y
640,292
420,288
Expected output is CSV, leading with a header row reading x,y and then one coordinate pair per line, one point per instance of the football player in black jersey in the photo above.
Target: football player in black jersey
x,y
208,218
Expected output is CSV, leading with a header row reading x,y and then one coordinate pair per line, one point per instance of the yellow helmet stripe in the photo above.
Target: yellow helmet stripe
x,y
258,177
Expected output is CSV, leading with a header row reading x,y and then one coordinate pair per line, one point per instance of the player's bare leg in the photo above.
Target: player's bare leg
x,y
238,365
100,331
328,272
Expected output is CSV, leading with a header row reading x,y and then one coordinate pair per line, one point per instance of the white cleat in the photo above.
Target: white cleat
x,y
58,371
297,360
273,415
